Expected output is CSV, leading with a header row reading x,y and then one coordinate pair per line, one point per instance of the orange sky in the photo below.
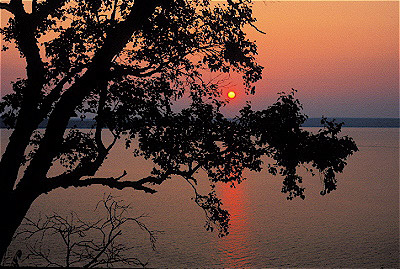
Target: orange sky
x,y
342,57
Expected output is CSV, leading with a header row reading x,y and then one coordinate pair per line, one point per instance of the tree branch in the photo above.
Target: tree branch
x,y
7,7
69,180
28,118
137,72
54,94
102,88
105,247
116,40
102,247
256,28
112,17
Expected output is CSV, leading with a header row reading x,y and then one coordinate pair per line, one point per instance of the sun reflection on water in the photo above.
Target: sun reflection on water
x,y
236,248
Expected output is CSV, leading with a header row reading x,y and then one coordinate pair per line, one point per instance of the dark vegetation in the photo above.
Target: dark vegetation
x,y
83,243
126,62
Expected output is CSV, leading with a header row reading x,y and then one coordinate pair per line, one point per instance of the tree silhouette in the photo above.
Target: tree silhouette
x,y
86,244
126,62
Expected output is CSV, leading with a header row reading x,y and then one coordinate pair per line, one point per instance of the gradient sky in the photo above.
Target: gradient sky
x,y
342,57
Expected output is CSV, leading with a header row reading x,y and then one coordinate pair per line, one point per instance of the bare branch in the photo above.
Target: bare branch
x,y
256,28
105,247
101,248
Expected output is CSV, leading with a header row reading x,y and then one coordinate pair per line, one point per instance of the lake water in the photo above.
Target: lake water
x,y
355,226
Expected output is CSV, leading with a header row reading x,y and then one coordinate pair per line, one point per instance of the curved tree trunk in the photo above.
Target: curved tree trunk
x,y
15,203
14,207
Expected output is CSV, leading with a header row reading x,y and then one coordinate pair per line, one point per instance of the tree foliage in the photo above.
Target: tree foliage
x,y
125,63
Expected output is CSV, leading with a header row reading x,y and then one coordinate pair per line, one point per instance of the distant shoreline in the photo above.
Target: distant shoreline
x,y
358,122
311,122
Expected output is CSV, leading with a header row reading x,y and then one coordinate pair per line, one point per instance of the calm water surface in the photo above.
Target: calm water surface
x,y
355,226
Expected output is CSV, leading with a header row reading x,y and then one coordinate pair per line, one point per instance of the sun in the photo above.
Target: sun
x,y
231,94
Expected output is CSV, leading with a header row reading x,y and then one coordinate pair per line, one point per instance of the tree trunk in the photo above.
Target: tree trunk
x,y
14,204
14,154
13,207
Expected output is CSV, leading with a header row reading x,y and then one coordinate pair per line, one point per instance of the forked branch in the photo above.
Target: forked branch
x,y
80,249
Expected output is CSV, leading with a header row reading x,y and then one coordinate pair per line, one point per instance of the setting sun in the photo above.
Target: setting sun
x,y
231,94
